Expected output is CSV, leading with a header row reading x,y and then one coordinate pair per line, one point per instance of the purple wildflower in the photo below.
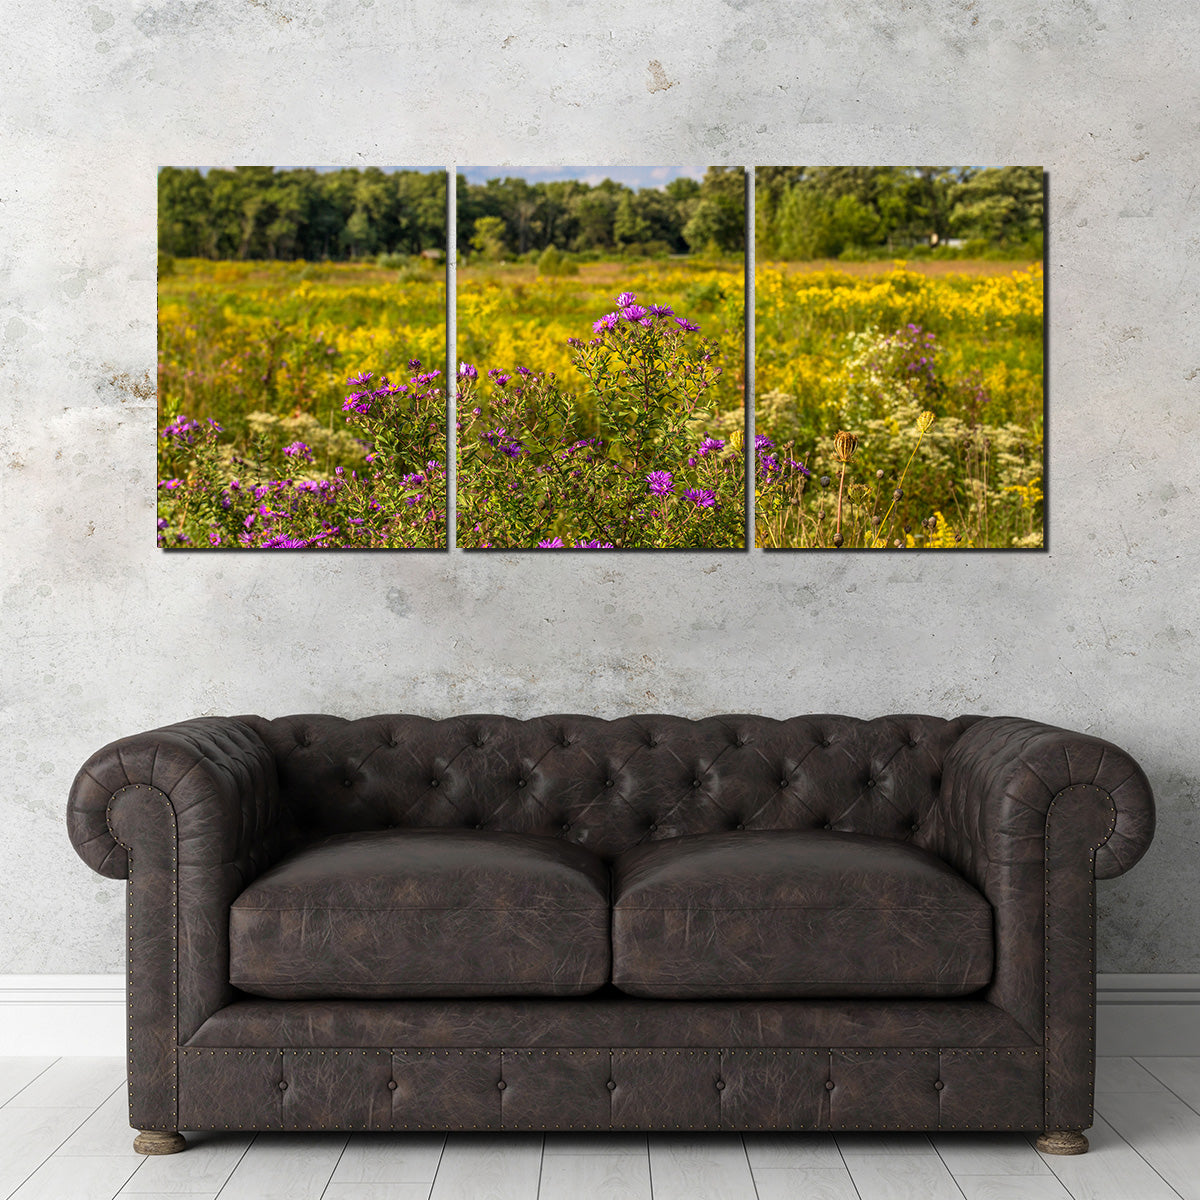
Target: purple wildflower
x,y
701,497
711,445
660,310
414,364
360,380
762,442
633,312
606,322
551,544
181,428
625,298
685,324
171,484
298,450
661,483
467,371
284,542
594,546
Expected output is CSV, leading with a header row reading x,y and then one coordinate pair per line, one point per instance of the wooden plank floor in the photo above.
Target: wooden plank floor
x,y
63,1136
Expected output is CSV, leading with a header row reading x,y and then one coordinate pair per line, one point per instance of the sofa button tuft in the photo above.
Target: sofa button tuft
x,y
479,825
829,1085
739,825
939,1085
347,783
720,1085
611,1085
608,783
870,783
566,825
827,741
521,782
827,825
392,1085
784,782
501,1085
434,782
696,783
283,1085
652,828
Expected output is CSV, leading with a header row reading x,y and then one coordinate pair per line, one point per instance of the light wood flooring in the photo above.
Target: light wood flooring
x,y
64,1136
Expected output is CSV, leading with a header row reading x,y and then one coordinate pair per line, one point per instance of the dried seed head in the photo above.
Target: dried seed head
x,y
925,421
824,480
898,494
878,474
820,514
897,543
838,540
844,445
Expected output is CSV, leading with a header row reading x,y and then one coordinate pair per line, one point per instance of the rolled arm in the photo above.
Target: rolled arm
x,y
189,814
1003,775
216,772
1033,815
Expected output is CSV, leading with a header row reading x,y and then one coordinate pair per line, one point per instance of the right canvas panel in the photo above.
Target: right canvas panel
x,y
899,357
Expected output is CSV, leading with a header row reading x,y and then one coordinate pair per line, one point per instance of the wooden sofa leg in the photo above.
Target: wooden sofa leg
x,y
159,1141
1062,1141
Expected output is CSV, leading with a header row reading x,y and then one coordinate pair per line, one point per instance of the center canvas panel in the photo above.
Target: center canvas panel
x,y
600,385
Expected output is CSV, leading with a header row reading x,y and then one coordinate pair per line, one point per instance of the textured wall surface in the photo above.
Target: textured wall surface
x,y
104,635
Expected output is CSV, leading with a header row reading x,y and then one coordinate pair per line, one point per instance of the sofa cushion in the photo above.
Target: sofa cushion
x,y
784,914
403,913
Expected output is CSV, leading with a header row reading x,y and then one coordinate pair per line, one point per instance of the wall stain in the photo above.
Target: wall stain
x,y
658,81
139,389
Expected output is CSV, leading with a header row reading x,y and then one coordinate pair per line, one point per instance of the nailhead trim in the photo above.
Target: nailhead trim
x,y
1046,1007
137,787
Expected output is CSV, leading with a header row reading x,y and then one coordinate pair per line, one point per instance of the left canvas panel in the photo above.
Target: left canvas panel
x,y
301,358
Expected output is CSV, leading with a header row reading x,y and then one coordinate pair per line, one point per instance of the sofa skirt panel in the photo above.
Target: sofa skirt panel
x,y
617,1088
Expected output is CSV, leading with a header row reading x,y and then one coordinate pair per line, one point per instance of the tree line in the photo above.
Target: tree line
x,y
512,216
827,212
302,213
262,213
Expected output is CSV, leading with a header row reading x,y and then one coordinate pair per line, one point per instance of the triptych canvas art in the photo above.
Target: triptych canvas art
x,y
602,392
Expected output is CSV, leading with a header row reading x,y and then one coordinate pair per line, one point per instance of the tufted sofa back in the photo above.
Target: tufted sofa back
x,y
609,785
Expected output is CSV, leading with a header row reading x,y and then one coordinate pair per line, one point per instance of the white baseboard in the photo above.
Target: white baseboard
x,y
1148,1014
85,1014
62,1014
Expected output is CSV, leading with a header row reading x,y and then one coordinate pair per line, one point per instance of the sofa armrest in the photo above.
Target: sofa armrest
x,y
218,775
1032,816
190,814
1004,773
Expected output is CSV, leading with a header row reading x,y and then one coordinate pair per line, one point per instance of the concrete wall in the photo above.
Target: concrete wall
x,y
104,635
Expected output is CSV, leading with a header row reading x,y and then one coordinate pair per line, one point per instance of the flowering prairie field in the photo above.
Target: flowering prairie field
x,y
587,408
303,405
257,448
899,406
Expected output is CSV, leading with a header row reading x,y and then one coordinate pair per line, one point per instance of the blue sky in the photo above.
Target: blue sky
x,y
635,177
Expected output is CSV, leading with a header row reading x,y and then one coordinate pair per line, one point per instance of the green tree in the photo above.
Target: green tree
x,y
488,239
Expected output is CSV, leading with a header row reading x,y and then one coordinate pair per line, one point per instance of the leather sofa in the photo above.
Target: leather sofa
x,y
649,923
